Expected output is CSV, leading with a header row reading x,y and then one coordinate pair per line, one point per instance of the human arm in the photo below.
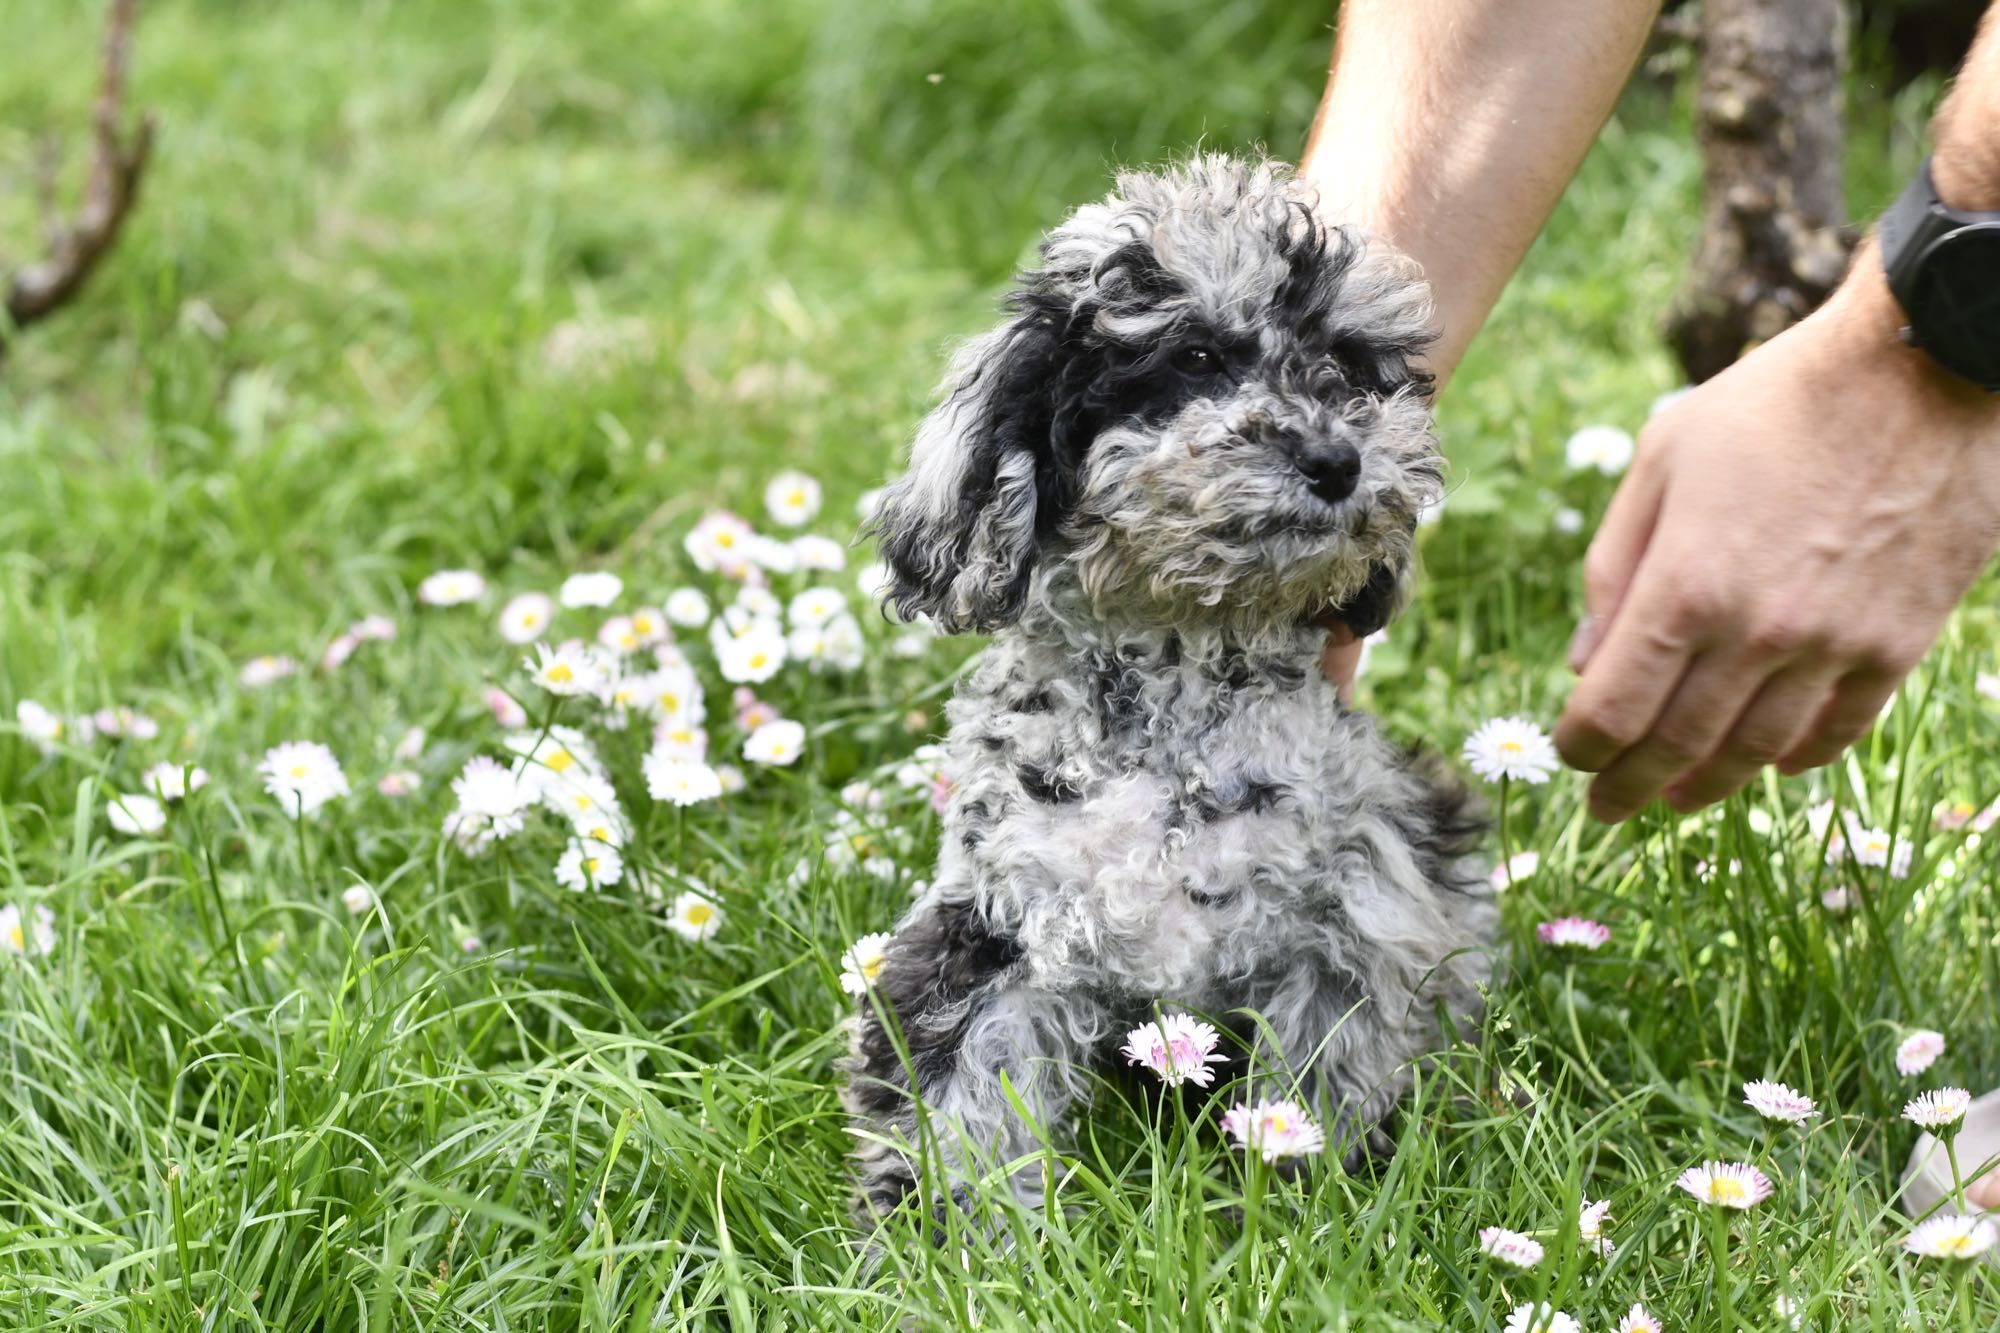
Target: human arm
x,y
1792,534
1450,128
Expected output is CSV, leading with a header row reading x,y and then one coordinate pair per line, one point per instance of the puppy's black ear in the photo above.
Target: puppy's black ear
x,y
959,528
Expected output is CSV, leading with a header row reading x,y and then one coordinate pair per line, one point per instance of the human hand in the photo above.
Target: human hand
x,y
1341,659
1785,548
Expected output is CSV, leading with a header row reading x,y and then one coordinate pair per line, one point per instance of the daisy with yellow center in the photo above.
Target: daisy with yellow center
x,y
694,917
588,864
567,671
792,499
523,619
1952,1236
862,964
27,938
1736,1185
1274,1129
779,743
1511,747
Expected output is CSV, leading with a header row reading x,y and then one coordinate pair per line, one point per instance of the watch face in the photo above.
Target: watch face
x,y
1955,300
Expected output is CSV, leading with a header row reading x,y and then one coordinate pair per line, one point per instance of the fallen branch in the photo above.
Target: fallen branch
x,y
75,247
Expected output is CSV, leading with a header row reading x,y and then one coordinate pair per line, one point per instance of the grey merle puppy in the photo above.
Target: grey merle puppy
x,y
1199,435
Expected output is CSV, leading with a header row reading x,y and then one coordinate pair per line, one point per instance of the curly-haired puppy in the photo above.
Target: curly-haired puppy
x,y
1199,436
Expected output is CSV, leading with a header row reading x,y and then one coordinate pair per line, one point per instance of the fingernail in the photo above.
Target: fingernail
x,y
1582,644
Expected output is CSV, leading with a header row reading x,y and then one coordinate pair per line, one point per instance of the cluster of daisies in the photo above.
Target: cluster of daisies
x,y
595,664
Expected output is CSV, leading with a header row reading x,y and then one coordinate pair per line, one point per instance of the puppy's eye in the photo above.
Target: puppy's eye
x,y
1198,361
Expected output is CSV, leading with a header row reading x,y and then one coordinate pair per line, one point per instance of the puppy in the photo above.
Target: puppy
x,y
1200,435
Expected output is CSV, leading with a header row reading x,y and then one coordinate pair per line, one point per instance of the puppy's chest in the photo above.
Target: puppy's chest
x,y
1142,801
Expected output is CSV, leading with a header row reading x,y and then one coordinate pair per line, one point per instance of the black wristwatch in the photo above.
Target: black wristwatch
x,y
1944,269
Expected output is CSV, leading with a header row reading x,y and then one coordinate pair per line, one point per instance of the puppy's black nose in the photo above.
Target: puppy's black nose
x,y
1330,467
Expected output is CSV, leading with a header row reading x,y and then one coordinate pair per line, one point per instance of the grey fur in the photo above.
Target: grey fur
x,y
1159,800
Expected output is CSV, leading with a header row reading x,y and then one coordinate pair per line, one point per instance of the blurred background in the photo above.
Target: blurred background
x,y
452,282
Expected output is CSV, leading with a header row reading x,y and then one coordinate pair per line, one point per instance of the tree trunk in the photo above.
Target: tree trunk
x,y
1771,125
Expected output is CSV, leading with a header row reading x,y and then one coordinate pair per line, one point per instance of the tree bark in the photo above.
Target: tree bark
x,y
1771,121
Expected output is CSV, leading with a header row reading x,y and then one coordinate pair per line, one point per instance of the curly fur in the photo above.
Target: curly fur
x,y
1158,799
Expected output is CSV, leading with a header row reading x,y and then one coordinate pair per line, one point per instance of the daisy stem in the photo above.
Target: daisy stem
x,y
1950,1137
1506,851
1725,1283
1962,1295
1252,1208
299,827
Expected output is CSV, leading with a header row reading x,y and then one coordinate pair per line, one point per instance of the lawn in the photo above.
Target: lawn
x,y
527,289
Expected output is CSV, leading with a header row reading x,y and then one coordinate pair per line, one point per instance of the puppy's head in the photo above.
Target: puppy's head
x,y
1203,407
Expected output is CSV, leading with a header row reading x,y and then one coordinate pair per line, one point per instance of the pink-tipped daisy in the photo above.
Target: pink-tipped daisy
x,y
1775,1101
1735,1185
1590,1220
1510,1247
1940,1109
1918,1052
1274,1129
1574,932
1952,1236
1514,869
1177,1047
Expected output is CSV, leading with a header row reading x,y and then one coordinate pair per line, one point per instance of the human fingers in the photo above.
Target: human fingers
x,y
1780,716
1628,680
1845,719
1686,730
1614,555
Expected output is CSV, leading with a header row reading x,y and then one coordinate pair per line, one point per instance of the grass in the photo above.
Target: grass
x,y
320,367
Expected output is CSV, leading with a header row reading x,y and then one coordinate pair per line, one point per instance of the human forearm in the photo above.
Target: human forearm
x,y
1451,127
1966,163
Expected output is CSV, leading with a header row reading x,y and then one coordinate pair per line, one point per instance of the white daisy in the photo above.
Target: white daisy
x,y
866,503
573,669
526,618
792,499
1987,686
862,963
399,783
675,695
649,625
1177,1047
754,656
302,776
779,743
1775,1101
1590,1220
730,778
542,761
842,647
506,710
373,629
874,582
136,816
598,588
1951,1236
172,782
756,603
124,723
589,865
720,543
1567,521
410,747
1274,1129
337,652
27,941
619,635
492,804
1918,1052
580,796
694,917
357,898
41,728
678,740
911,644
1515,868
687,608
1606,448
1874,847
807,645
451,587
1940,1109
261,671
1542,1318
1639,1320
822,555
1510,1247
1511,747
771,555
1735,1185
816,606
680,781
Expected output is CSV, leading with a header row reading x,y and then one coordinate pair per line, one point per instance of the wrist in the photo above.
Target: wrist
x,y
1870,339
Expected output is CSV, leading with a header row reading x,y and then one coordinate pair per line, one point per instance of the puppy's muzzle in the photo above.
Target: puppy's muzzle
x,y
1329,462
